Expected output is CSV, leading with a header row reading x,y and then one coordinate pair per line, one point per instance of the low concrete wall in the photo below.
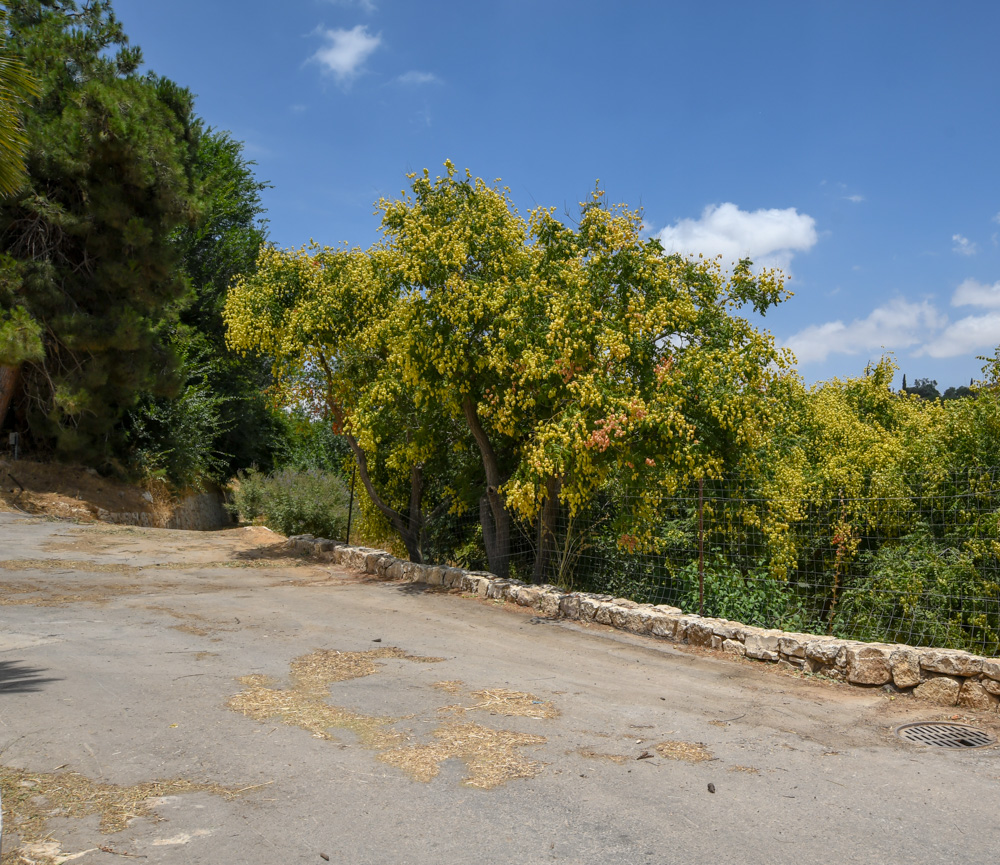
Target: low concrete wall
x,y
943,676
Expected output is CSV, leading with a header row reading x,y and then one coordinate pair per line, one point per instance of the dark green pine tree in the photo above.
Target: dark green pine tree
x,y
220,421
87,245
904,383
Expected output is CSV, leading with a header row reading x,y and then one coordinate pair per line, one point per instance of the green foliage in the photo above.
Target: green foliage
x,y
20,337
109,179
293,502
174,438
923,591
17,88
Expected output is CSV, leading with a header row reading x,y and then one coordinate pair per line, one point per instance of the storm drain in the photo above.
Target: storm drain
x,y
954,736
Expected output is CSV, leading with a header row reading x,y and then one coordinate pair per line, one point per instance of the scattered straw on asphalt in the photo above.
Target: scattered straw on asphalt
x,y
297,709
31,799
489,755
500,701
750,770
591,754
693,752
67,565
453,686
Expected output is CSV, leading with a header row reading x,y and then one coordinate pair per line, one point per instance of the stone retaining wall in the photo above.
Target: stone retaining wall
x,y
943,676
199,512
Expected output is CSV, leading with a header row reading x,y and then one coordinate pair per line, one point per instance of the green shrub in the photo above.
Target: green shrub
x,y
293,502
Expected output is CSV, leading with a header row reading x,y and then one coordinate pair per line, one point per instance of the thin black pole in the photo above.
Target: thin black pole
x,y
350,505
701,547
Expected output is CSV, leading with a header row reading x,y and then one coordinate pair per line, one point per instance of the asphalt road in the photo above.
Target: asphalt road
x,y
206,698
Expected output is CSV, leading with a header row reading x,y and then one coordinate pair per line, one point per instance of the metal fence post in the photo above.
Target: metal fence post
x,y
701,546
350,505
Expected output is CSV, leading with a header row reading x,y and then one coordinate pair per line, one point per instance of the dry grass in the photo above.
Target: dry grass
x,y
42,595
67,565
304,704
750,770
30,799
489,755
453,686
500,701
314,673
591,754
306,710
692,752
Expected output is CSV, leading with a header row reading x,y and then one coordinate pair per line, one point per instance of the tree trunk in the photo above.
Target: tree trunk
x,y
548,521
10,376
493,513
410,527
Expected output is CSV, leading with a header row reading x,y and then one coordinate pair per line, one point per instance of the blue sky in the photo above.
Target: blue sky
x,y
852,143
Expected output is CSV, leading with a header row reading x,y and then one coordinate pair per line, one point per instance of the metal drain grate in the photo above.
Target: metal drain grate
x,y
954,736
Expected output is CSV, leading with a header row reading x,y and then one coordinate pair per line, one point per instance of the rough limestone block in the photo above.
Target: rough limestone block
x,y
727,630
528,596
453,577
638,621
973,695
569,606
663,625
548,603
791,646
734,647
762,645
700,633
942,690
991,670
603,614
670,611
619,616
991,686
433,576
905,668
624,602
498,589
950,662
589,606
824,651
868,665
324,545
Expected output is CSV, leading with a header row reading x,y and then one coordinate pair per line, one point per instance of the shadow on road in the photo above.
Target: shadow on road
x,y
16,678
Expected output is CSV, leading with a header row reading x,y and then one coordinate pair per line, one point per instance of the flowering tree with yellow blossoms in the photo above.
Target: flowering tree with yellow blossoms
x,y
324,315
574,354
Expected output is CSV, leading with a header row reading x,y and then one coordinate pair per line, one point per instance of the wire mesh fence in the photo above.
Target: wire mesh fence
x,y
912,560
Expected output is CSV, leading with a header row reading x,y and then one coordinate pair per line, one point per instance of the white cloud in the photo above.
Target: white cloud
x,y
857,199
963,246
997,218
897,324
769,237
966,336
415,78
972,293
346,51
